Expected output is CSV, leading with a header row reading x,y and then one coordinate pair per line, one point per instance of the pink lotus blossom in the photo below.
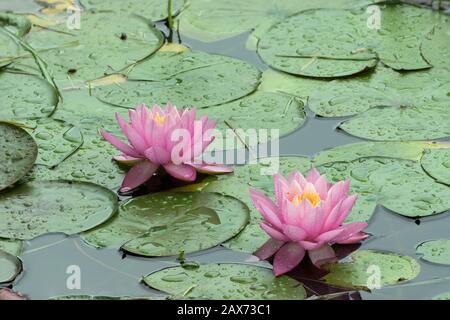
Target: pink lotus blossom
x,y
167,137
308,215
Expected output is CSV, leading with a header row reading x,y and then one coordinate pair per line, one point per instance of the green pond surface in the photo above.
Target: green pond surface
x,y
109,272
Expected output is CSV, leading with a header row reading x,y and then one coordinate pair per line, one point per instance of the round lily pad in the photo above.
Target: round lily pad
x,y
10,267
226,281
26,96
436,45
13,247
106,42
366,268
154,10
436,251
185,79
40,207
437,164
167,223
18,152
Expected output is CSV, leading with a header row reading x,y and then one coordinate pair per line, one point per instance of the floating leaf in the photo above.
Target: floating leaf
x,y
337,43
10,267
106,42
154,10
437,164
167,223
18,152
184,79
40,207
259,176
13,247
226,281
9,49
359,269
436,45
399,185
56,140
25,96
436,251
442,296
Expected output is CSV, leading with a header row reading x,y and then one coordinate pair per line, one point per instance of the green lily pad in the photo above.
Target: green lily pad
x,y
437,164
377,181
436,251
56,140
436,45
154,10
359,269
9,49
442,296
208,20
167,223
226,281
26,96
18,152
92,162
13,247
40,207
106,42
184,79
10,267
337,43
257,176
251,114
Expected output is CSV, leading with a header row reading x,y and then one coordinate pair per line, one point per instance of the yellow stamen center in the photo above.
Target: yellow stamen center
x,y
159,119
312,197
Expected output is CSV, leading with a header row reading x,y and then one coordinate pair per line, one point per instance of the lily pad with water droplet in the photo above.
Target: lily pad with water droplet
x,y
167,223
225,282
437,164
436,45
92,162
366,268
10,267
106,42
26,96
56,140
259,176
13,247
18,152
184,79
337,43
9,49
154,10
436,251
41,207
208,20
399,185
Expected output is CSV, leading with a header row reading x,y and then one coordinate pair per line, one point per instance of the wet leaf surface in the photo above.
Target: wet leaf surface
x,y
13,247
435,251
40,207
10,267
165,224
437,164
442,296
18,152
226,281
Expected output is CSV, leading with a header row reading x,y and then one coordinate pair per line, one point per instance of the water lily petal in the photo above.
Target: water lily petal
x,y
268,249
157,155
324,254
350,230
266,207
294,233
287,258
182,171
138,175
211,168
275,234
120,145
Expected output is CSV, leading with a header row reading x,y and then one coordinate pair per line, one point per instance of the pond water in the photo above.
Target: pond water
x,y
109,272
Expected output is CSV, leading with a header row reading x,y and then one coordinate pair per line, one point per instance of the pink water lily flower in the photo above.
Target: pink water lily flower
x,y
167,137
307,216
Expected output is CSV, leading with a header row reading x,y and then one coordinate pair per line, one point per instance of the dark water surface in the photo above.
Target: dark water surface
x,y
107,272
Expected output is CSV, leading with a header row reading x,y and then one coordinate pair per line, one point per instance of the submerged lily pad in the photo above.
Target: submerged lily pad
x,y
259,176
184,79
226,281
360,270
106,42
399,185
18,152
13,247
26,96
56,140
436,251
154,10
437,164
10,267
336,43
40,207
167,223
